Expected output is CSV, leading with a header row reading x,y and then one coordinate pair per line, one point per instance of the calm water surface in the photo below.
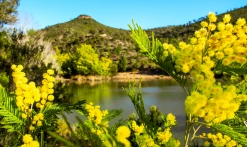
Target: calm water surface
x,y
167,95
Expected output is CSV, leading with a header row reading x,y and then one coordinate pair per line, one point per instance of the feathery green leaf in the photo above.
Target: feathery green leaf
x,y
112,114
240,138
11,116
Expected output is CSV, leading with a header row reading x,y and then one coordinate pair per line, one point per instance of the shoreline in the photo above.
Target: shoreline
x,y
121,77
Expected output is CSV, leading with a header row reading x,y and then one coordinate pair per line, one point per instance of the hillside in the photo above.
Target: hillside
x,y
182,32
114,43
85,29
107,41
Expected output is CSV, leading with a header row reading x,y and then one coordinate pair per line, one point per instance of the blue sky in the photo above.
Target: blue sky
x,y
119,13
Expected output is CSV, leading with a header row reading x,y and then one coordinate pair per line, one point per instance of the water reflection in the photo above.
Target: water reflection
x,y
167,95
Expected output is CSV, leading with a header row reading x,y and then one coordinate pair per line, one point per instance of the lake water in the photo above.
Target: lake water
x,y
166,95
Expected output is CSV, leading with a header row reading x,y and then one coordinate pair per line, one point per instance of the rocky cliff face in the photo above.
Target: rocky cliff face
x,y
85,17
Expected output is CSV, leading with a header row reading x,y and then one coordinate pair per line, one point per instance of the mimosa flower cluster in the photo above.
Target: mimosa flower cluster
x,y
146,141
99,127
95,114
170,120
163,134
62,128
222,43
29,142
46,90
137,129
220,140
216,103
95,117
28,95
37,120
123,132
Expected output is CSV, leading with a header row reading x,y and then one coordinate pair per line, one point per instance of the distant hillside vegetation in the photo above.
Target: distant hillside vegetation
x,y
116,43
107,41
183,32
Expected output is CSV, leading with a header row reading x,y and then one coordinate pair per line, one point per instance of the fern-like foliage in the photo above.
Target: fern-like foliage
x,y
9,113
83,136
154,50
57,108
242,110
224,129
242,89
112,114
232,69
237,124
240,129
51,112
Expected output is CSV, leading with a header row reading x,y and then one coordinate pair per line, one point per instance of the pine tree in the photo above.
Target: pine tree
x,y
122,64
8,11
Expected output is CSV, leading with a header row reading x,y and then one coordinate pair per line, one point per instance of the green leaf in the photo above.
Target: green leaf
x,y
232,69
11,116
224,129
112,114
67,142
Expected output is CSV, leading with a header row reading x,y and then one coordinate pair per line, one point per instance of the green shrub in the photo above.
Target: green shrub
x,y
4,79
